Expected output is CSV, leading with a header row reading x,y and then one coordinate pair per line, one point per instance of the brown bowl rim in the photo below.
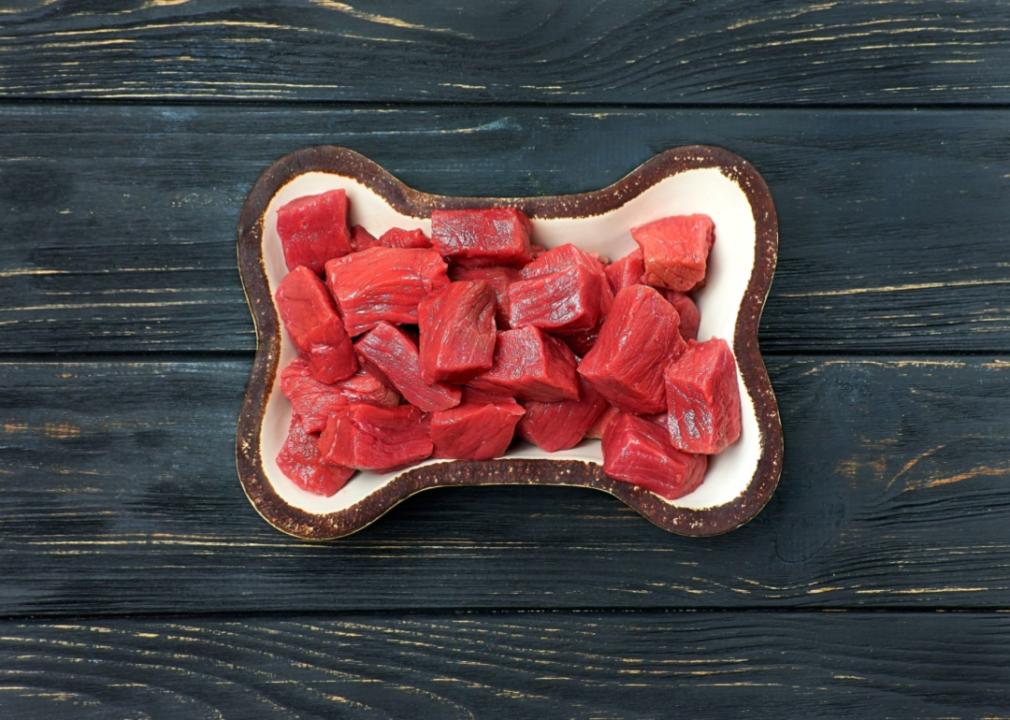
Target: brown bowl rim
x,y
346,162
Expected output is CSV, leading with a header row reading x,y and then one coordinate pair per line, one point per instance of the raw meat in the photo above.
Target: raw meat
x,y
361,239
457,331
564,257
492,236
638,339
300,460
531,365
499,277
582,342
376,438
395,356
676,250
486,395
564,290
383,284
639,452
561,425
600,426
313,401
626,271
475,432
703,398
563,302
313,229
314,326
690,316
400,238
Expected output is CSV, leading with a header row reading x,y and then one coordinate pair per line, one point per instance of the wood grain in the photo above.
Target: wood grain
x,y
120,220
121,497
529,665
543,51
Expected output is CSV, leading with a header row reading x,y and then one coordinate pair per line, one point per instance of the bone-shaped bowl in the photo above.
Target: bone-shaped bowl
x,y
681,180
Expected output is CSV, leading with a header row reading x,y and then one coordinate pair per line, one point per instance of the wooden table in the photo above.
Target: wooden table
x,y
137,580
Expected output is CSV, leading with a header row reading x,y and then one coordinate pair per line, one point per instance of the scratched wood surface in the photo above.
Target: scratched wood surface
x,y
119,226
543,51
138,582
894,493
527,665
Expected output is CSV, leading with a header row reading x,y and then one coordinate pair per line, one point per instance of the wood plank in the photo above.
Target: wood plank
x,y
120,220
619,51
541,665
121,497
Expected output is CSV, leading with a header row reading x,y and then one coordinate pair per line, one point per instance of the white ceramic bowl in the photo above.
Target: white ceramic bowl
x,y
691,179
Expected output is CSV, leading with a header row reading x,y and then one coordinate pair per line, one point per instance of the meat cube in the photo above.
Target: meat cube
x,y
626,271
703,398
563,302
376,438
457,331
313,401
395,356
300,459
639,452
487,395
561,425
600,426
530,365
637,341
475,432
559,259
383,284
492,236
313,229
564,290
690,316
499,277
361,239
676,250
400,238
582,342
314,326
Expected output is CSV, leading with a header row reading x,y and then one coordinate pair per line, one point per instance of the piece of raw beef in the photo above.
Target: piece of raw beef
x,y
639,452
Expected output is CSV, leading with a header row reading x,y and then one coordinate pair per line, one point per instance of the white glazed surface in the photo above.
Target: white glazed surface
x,y
692,191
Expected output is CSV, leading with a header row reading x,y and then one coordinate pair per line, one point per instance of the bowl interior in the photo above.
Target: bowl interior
x,y
705,190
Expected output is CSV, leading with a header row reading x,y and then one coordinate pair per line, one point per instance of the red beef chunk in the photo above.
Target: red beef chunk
x,y
383,284
639,452
475,432
394,355
560,259
626,271
488,395
400,238
638,339
582,342
457,331
492,236
676,250
313,229
703,398
561,425
300,459
367,437
600,426
314,326
361,239
314,401
690,316
499,277
531,365
564,291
